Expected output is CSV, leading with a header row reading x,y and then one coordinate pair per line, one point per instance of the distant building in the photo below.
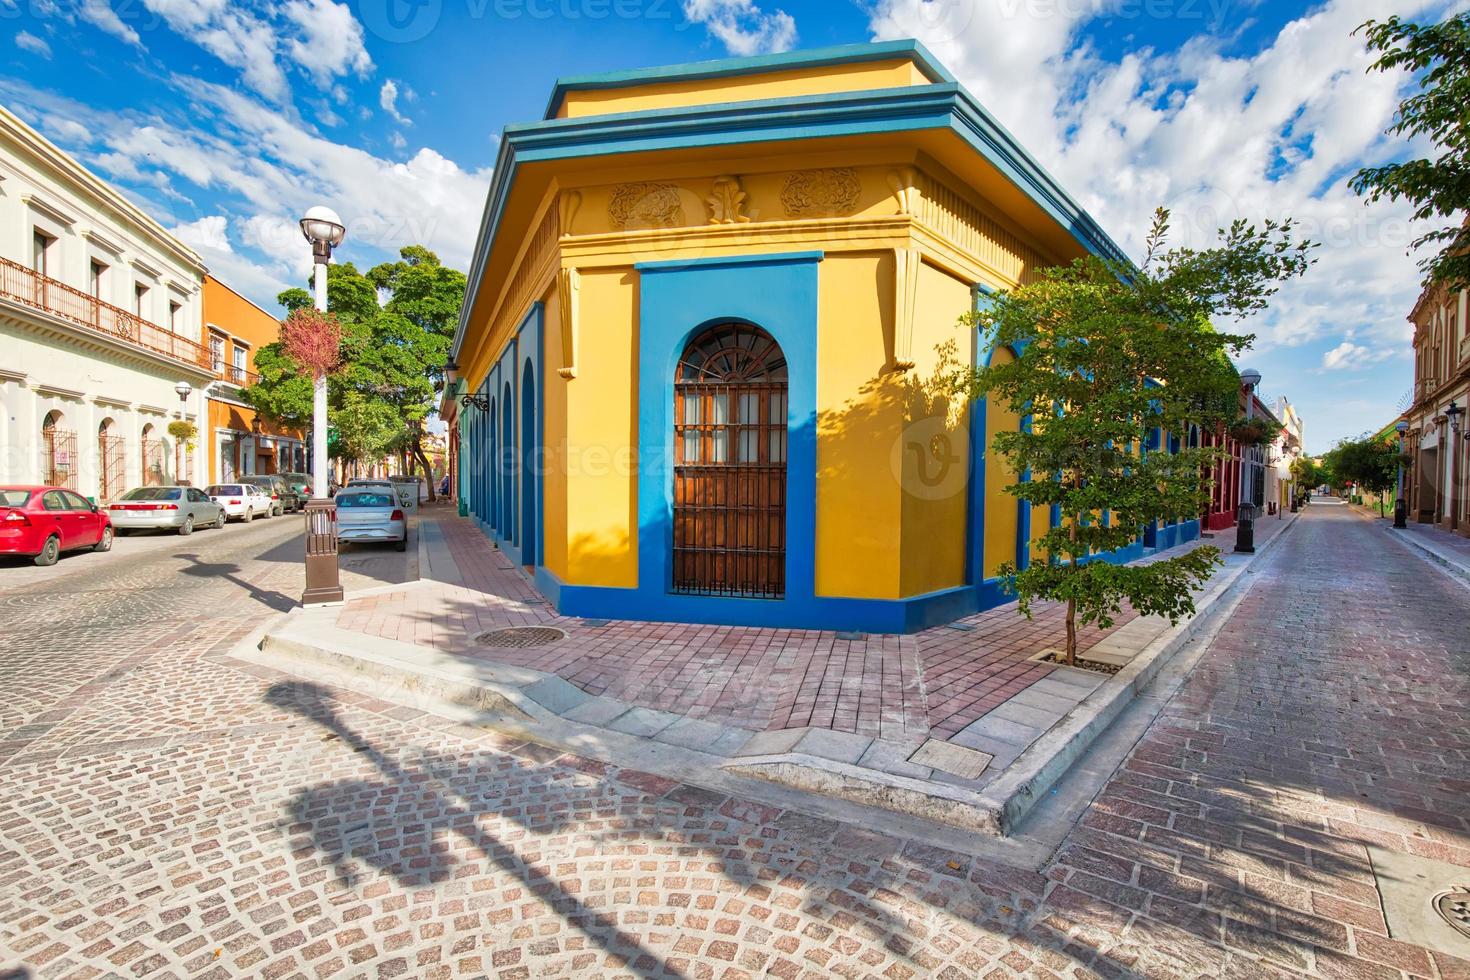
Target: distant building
x,y
1284,450
1438,438
240,442
100,314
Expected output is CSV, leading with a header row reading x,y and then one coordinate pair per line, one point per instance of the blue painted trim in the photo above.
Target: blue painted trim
x,y
944,105
719,261
675,303
844,54
819,612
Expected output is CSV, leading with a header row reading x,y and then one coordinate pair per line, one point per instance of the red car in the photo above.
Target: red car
x,y
42,522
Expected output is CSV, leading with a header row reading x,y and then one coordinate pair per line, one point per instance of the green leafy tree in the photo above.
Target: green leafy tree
x,y
1371,464
1106,354
398,320
1307,474
1438,186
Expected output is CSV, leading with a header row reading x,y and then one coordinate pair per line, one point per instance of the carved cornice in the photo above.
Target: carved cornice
x,y
645,204
825,193
726,202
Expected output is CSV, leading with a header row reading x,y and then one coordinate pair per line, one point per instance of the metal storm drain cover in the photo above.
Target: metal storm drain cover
x,y
521,636
1454,907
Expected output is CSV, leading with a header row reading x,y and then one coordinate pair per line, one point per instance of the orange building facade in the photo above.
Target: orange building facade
x,y
238,442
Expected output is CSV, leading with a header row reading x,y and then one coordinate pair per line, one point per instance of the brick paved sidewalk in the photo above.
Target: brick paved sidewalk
x,y
937,682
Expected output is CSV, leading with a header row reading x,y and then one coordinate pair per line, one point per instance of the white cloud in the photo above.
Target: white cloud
x,y
207,232
743,27
320,38
1209,133
99,13
388,99
27,41
1348,356
209,236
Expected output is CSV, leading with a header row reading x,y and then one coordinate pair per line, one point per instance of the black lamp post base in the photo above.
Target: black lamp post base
x,y
1400,513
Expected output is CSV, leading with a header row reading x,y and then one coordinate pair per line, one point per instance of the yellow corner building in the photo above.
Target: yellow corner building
x,y
701,313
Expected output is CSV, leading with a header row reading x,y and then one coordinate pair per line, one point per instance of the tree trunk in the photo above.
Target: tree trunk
x,y
1072,606
423,460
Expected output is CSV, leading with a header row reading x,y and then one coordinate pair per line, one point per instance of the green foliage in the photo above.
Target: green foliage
x,y
1106,356
1307,474
1372,464
183,430
1258,430
1438,55
393,353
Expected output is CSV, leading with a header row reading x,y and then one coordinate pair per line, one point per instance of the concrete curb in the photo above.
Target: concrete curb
x,y
1047,759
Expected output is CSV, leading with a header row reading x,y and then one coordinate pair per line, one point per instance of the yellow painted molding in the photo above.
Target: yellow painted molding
x,y
567,203
623,248
905,292
569,285
904,183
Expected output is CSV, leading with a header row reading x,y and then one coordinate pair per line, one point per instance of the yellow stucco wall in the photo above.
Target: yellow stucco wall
x,y
1001,510
600,420
859,420
935,442
765,85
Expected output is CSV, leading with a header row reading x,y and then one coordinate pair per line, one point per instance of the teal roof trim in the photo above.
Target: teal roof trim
x,y
843,54
943,105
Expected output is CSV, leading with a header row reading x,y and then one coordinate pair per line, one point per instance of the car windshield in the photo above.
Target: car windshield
x,y
154,493
219,490
14,498
364,500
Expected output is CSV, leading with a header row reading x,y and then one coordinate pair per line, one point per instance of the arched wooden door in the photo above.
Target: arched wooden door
x,y
730,464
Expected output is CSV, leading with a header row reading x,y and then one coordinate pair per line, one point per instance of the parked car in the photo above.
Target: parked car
x,y
300,484
244,501
367,514
40,522
280,489
176,508
403,491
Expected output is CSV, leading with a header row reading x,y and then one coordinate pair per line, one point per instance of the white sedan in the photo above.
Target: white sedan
x,y
244,501
366,514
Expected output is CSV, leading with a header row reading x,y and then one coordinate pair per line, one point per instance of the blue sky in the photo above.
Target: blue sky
x,y
225,120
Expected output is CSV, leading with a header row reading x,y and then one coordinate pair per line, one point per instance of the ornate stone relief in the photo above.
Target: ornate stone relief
x,y
825,193
645,205
726,202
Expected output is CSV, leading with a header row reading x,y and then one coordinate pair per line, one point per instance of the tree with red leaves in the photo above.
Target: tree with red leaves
x,y
313,340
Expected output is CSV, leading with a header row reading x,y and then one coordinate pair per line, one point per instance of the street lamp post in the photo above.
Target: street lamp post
x,y
323,228
184,389
1400,505
1245,531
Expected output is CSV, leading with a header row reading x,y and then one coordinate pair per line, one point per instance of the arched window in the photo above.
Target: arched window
x,y
153,458
112,451
60,452
730,464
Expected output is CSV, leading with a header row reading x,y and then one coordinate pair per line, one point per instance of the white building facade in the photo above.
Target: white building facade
x,y
100,324
1284,451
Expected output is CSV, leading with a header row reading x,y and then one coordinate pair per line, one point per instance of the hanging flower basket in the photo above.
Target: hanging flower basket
x,y
1253,432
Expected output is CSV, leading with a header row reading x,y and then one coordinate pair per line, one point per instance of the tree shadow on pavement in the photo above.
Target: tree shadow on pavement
x,y
402,822
198,568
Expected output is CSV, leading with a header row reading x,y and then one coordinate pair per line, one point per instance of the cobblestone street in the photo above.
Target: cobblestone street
x,y
167,810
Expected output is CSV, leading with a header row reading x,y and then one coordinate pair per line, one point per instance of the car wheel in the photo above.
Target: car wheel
x,y
249,516
188,526
402,544
104,543
50,551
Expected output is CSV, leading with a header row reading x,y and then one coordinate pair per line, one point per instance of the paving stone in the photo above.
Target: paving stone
x,y
643,721
1046,700
998,730
556,695
837,746
597,711
892,757
691,733
1026,714
955,760
772,743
